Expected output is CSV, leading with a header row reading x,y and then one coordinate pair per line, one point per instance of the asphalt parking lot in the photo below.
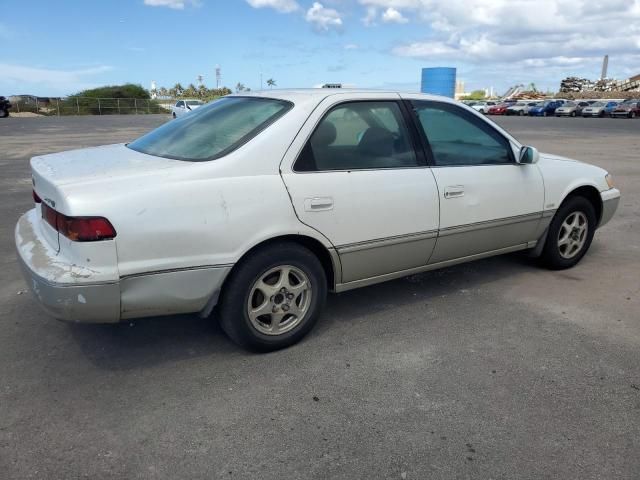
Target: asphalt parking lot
x,y
491,370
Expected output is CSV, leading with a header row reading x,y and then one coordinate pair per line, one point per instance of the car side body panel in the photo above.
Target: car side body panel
x,y
380,220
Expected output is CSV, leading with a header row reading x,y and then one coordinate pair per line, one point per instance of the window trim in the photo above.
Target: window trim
x,y
480,122
418,150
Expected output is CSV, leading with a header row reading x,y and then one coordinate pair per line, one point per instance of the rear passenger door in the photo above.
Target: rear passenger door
x,y
355,175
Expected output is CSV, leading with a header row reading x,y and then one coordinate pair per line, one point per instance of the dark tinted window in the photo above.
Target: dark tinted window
x,y
212,130
457,137
359,135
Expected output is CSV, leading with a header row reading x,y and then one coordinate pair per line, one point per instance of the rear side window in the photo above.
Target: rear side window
x,y
457,138
213,130
359,135
180,104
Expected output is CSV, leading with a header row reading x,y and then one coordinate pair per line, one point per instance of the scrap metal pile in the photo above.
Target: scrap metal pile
x,y
579,85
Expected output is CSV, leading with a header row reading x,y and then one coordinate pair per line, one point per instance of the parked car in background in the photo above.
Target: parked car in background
x,y
258,204
499,109
4,107
517,108
570,109
185,106
483,107
547,108
626,109
610,107
598,109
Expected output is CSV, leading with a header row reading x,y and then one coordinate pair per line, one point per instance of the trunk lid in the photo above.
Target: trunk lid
x,y
53,174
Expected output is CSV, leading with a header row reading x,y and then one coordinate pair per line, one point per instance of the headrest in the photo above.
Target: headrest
x,y
376,142
324,135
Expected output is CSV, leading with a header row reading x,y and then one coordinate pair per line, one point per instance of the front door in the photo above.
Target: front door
x,y
354,174
488,202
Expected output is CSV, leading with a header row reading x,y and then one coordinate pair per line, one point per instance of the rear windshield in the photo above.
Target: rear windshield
x,y
212,131
193,102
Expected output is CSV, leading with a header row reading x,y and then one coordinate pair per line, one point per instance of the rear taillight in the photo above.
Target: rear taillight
x,y
36,198
79,229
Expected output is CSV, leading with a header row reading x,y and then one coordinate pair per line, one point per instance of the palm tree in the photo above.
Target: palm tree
x,y
191,90
240,87
162,92
178,88
271,83
203,90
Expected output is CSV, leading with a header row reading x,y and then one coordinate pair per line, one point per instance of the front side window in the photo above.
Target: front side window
x,y
457,138
359,135
212,131
180,104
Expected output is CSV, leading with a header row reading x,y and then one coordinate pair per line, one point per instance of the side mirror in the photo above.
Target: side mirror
x,y
188,107
528,155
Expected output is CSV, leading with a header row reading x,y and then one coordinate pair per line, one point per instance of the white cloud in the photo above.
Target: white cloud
x,y
391,15
174,4
496,31
282,6
351,46
369,19
322,18
43,81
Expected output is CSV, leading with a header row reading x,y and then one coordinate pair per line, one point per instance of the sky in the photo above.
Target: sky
x,y
59,47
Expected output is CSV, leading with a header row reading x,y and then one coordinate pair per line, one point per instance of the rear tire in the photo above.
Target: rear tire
x,y
570,234
573,114
273,298
4,113
173,115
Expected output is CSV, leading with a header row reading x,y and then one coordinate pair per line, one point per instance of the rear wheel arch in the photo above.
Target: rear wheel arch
x,y
329,262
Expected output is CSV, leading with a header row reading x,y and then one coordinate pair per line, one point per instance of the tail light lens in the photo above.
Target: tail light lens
x,y
79,229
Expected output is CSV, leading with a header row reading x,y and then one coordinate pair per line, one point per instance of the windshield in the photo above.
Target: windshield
x,y
598,104
212,131
570,104
193,102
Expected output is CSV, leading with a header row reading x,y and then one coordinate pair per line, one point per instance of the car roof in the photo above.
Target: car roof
x,y
320,93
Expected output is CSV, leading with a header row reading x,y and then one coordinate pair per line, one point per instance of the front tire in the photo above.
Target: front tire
x,y
273,298
570,233
4,113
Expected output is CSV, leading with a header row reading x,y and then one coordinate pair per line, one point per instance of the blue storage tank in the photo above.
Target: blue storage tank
x,y
439,81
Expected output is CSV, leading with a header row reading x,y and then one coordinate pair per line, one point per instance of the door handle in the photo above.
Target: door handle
x,y
454,191
318,204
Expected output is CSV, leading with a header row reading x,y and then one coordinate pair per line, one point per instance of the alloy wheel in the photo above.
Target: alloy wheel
x,y
572,234
279,300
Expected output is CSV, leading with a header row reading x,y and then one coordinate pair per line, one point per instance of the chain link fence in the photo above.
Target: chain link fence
x,y
90,106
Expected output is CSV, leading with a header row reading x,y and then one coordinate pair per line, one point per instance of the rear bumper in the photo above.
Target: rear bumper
x,y
610,200
67,292
99,303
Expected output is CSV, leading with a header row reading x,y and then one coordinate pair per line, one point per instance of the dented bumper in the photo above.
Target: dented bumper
x,y
63,289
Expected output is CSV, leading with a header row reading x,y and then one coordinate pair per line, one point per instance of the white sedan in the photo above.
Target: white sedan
x,y
258,204
184,106
483,107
